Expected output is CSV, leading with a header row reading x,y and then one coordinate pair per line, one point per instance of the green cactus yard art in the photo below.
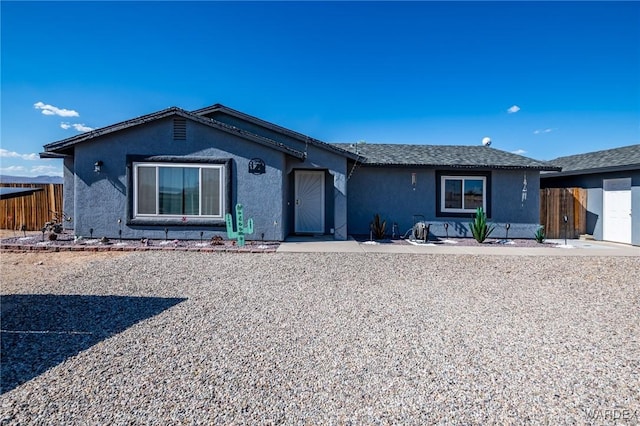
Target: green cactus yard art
x,y
241,231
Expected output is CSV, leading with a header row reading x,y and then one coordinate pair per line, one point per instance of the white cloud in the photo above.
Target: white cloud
x,y
12,154
540,131
52,110
519,151
82,127
79,127
46,170
12,169
513,109
32,171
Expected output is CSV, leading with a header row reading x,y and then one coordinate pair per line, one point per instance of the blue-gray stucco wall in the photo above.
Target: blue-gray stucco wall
x,y
99,200
334,164
389,192
68,192
594,184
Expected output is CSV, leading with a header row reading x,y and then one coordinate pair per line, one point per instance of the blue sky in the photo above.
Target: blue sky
x,y
544,79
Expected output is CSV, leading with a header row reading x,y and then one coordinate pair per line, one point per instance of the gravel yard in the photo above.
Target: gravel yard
x,y
202,338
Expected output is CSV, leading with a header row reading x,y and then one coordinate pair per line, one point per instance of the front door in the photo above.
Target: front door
x,y
309,202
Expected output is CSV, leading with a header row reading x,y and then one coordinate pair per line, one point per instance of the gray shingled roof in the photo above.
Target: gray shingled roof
x,y
461,156
624,158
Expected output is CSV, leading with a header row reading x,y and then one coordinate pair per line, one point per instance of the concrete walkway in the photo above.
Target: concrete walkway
x,y
325,244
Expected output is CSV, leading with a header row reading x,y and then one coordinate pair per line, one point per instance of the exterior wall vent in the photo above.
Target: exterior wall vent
x,y
180,129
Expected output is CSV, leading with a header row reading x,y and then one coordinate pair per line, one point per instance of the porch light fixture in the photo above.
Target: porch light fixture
x,y
97,167
414,180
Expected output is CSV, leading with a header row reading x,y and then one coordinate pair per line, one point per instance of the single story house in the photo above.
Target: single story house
x,y
176,172
612,180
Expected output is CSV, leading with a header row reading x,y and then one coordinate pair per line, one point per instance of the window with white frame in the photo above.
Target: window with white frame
x,y
178,190
463,194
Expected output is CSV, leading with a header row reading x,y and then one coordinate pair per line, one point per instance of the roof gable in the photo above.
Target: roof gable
x,y
64,145
456,156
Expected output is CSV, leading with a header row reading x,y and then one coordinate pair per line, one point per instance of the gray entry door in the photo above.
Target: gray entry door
x,y
309,202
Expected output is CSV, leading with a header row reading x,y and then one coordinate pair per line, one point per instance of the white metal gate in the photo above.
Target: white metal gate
x,y
616,210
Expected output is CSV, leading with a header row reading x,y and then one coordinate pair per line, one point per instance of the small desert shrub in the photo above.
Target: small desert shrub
x,y
540,235
378,228
480,229
217,240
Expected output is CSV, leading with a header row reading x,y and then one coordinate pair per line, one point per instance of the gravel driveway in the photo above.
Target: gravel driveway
x,y
201,338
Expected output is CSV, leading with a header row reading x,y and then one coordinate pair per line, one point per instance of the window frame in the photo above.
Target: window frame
x,y
200,163
444,176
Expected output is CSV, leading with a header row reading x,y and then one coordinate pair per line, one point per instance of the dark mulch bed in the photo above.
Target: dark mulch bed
x,y
66,241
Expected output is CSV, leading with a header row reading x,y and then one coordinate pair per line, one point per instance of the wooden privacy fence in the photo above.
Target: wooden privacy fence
x,y
32,210
555,203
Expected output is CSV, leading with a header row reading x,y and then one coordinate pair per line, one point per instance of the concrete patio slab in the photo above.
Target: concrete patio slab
x,y
572,248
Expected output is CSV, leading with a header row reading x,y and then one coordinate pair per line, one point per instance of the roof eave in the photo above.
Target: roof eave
x,y
49,155
592,171
460,166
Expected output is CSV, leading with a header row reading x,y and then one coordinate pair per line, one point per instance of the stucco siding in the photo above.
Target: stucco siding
x,y
68,193
507,201
635,209
102,198
594,212
389,192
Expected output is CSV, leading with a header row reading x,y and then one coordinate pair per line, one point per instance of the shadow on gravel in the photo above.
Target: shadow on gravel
x,y
40,331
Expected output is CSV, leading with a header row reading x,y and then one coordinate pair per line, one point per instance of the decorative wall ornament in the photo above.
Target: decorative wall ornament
x,y
257,166
241,230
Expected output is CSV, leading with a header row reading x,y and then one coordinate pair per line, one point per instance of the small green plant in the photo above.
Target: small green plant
x,y
480,229
540,235
377,227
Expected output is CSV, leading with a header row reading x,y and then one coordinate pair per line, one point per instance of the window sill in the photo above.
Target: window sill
x,y
470,214
176,221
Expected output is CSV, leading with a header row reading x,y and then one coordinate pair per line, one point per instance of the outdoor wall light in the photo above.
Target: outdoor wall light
x,y
414,180
97,167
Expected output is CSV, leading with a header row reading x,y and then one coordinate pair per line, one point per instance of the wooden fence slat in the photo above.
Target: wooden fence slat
x,y
580,207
